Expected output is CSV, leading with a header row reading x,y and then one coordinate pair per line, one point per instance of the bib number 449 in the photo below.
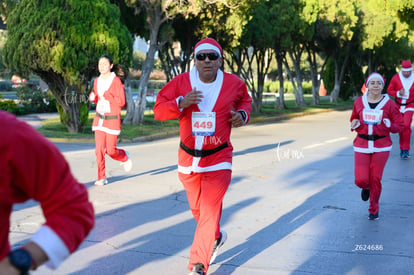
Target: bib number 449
x,y
203,123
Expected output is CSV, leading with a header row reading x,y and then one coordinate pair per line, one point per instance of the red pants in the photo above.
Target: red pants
x,y
368,174
405,134
106,141
205,193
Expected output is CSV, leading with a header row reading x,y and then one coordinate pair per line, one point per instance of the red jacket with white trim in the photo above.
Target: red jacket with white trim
x,y
390,112
116,97
393,89
233,96
33,168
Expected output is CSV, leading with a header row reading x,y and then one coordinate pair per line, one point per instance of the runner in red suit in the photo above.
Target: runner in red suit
x,y
33,168
207,102
374,117
402,89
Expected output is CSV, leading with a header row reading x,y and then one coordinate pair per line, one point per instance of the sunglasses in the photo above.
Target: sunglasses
x,y
211,56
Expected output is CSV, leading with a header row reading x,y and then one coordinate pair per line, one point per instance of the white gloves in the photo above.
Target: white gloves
x,y
358,123
387,122
92,96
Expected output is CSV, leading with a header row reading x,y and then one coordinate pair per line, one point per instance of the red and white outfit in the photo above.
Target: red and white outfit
x,y
406,102
204,161
109,96
33,168
373,143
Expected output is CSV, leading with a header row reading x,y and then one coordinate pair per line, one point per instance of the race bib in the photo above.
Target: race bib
x,y
372,116
103,106
203,124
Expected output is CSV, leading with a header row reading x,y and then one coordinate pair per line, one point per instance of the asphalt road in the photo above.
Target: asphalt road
x,y
292,208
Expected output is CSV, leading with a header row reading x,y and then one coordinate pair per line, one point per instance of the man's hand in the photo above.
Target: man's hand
x,y
7,268
355,123
402,92
193,97
236,119
38,257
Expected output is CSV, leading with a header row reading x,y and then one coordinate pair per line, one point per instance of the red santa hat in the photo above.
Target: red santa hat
x,y
406,66
375,75
208,44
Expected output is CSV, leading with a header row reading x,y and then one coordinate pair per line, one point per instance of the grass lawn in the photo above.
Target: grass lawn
x,y
52,128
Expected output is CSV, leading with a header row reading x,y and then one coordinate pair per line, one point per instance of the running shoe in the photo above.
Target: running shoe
x,y
373,217
101,182
365,194
198,269
128,163
219,243
405,154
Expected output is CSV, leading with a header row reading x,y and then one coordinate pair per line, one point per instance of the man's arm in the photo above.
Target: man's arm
x,y
171,100
40,172
244,106
37,254
395,86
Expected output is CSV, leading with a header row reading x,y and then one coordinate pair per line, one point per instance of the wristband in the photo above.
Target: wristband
x,y
243,114
34,263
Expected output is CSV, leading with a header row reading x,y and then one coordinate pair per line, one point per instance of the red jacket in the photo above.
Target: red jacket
x,y
33,168
233,95
364,141
395,86
111,123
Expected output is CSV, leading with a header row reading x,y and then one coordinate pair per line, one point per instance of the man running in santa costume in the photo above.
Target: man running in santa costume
x,y
208,103
402,89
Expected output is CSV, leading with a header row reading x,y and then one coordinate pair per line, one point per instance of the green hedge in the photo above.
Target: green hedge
x,y
11,107
36,101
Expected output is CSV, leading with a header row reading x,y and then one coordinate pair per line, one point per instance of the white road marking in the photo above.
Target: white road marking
x,y
325,142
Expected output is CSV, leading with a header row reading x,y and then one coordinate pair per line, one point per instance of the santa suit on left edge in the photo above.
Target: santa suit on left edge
x,y
225,94
33,168
406,104
109,95
373,144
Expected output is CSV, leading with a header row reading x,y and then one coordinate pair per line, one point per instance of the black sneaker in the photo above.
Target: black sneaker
x,y
365,194
219,243
405,154
373,217
198,269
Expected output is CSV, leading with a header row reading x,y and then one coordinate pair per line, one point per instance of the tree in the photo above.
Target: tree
x,y
156,13
339,35
287,28
316,56
6,6
183,34
243,37
386,35
61,42
256,44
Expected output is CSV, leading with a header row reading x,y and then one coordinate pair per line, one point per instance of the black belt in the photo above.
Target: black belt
x,y
202,153
403,104
370,137
106,117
